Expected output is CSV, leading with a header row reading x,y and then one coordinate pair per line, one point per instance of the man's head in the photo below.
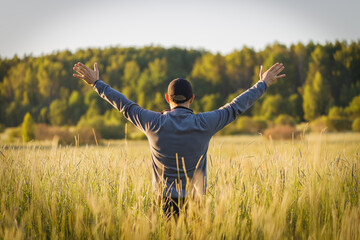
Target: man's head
x,y
179,92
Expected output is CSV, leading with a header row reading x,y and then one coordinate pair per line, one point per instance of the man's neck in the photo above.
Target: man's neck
x,y
174,105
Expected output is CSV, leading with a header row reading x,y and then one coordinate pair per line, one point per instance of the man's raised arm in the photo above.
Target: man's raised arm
x,y
218,119
115,98
141,118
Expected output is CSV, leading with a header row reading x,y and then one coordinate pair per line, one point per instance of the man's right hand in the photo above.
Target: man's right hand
x,y
271,75
89,76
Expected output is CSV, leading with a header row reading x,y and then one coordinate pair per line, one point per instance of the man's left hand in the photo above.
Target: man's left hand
x,y
272,74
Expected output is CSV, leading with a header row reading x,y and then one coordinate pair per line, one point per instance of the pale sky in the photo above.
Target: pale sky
x,y
42,26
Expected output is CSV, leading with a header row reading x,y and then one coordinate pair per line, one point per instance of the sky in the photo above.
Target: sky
x,y
40,27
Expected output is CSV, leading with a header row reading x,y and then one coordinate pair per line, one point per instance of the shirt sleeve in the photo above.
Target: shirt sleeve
x,y
218,119
141,118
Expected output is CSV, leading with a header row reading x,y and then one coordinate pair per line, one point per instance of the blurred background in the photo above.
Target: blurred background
x,y
141,46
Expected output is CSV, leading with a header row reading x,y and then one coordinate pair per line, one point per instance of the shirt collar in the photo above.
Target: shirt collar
x,y
177,108
181,107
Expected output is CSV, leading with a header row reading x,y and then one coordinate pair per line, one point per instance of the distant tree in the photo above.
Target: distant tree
x,y
294,106
49,77
209,76
131,74
337,119
300,57
284,119
246,124
58,112
14,114
114,71
159,102
319,61
93,110
272,106
210,102
309,103
335,112
347,93
240,67
152,80
2,110
43,115
89,96
356,125
278,53
353,110
180,62
28,128
141,100
31,84
340,73
157,74
317,98
13,84
76,107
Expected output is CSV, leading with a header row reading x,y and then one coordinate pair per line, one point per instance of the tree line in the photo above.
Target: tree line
x,y
322,80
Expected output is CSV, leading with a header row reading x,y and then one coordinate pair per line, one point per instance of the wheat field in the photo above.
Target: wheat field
x,y
257,189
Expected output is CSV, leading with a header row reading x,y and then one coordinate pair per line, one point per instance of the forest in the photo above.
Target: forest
x,y
322,85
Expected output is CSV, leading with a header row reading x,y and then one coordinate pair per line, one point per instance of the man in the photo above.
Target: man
x,y
178,138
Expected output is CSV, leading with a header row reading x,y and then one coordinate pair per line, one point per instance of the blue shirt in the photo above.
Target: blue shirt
x,y
179,139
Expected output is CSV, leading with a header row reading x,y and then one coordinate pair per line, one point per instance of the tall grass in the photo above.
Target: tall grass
x,y
259,189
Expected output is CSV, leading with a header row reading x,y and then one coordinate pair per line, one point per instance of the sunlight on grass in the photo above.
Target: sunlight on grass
x,y
305,188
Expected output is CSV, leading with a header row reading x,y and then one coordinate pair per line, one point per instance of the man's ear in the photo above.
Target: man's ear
x,y
192,98
167,98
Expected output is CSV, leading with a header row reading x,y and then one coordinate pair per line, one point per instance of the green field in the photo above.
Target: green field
x,y
257,188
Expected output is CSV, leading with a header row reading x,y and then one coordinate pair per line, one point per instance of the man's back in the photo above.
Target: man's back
x,y
179,137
